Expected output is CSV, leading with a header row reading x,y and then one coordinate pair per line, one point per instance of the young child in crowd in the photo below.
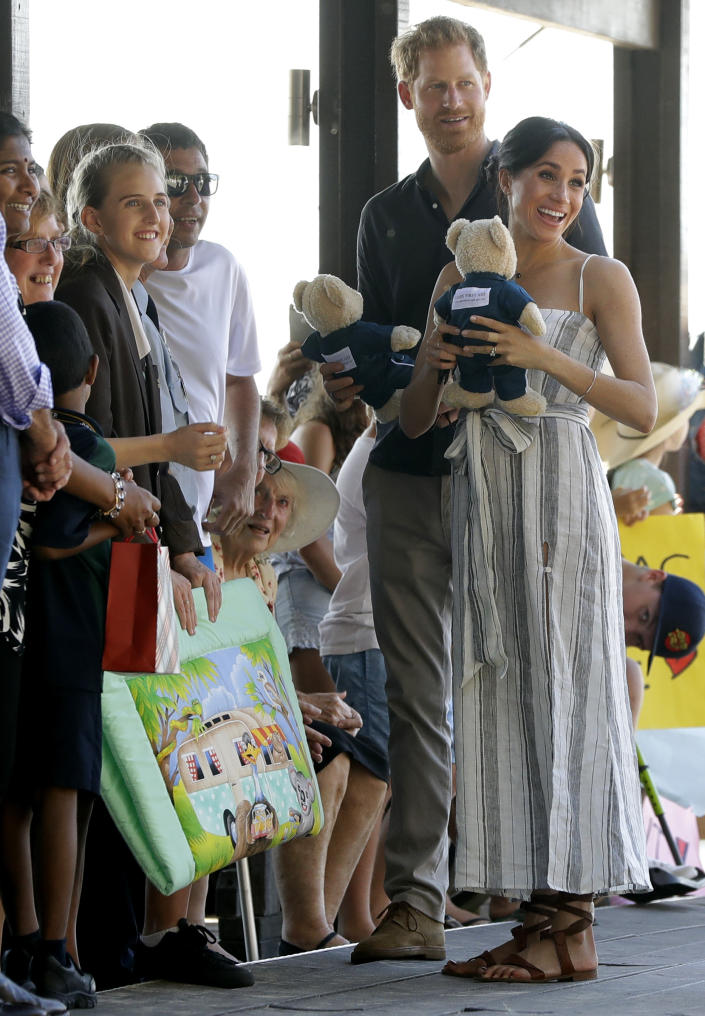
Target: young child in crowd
x,y
58,760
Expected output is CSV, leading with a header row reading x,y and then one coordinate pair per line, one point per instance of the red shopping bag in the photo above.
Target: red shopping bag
x,y
141,627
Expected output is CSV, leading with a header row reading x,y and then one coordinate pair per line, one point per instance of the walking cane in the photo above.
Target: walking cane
x,y
652,794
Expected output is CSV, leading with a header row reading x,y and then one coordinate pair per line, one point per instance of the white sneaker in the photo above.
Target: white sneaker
x,y
19,1002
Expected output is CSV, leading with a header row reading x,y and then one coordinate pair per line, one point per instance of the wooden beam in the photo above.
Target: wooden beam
x,y
650,104
632,23
14,58
357,116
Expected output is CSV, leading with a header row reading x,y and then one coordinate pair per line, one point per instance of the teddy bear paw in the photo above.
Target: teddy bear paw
x,y
404,337
529,404
456,396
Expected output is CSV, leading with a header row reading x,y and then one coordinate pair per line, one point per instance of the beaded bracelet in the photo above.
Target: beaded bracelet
x,y
119,497
589,387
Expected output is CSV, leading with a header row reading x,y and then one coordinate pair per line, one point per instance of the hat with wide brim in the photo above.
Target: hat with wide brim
x,y
316,502
680,394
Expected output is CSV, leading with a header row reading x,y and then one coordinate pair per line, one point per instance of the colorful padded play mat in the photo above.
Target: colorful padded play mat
x,y
210,765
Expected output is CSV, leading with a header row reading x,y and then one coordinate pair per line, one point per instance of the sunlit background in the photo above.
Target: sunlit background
x,y
223,70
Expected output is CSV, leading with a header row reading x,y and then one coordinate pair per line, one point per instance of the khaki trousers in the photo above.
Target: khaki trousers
x,y
408,542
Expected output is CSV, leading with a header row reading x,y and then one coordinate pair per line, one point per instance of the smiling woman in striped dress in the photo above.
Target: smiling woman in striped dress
x,y
548,800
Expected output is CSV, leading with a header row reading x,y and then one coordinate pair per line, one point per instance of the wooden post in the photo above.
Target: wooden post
x,y
357,115
650,102
14,58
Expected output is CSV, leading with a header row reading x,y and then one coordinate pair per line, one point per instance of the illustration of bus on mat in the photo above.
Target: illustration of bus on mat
x,y
241,776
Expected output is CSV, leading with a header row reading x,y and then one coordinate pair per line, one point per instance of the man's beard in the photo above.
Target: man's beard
x,y
444,141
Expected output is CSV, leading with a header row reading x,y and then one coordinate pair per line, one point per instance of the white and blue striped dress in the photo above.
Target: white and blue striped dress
x,y
548,790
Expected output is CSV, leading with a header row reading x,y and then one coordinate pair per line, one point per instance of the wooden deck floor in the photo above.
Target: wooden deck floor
x,y
652,962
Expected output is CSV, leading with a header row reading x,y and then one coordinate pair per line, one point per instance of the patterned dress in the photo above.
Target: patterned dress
x,y
548,790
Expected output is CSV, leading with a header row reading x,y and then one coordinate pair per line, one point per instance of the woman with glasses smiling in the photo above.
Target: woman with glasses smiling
x,y
36,257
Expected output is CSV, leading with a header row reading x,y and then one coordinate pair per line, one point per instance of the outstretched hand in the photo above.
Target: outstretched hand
x,y
200,446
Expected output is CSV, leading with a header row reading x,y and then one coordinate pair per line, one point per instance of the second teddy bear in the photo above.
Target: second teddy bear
x,y
370,353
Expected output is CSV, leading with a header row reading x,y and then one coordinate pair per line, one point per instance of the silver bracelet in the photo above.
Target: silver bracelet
x,y
589,387
119,497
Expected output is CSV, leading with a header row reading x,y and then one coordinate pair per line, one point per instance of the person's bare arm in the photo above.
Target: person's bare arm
x,y
186,568
46,456
95,486
421,400
635,687
98,533
320,561
315,440
291,364
631,505
200,446
234,491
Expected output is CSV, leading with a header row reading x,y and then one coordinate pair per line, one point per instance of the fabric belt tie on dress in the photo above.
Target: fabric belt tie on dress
x,y
474,525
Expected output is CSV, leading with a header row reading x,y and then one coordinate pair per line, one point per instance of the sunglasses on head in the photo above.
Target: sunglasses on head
x,y
272,462
178,183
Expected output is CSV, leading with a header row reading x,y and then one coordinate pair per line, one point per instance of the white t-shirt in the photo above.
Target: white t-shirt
x,y
348,626
205,311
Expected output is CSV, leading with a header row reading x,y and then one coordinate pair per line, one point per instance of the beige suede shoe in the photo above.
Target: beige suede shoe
x,y
405,933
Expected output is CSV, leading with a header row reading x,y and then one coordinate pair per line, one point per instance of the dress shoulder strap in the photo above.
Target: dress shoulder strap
x,y
580,290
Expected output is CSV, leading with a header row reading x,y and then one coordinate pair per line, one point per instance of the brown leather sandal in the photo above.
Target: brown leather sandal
x,y
539,904
559,939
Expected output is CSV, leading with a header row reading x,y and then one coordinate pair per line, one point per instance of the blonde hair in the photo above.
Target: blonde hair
x,y
278,415
434,33
73,145
90,184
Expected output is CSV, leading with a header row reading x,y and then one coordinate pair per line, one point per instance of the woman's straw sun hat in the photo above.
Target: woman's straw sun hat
x,y
680,394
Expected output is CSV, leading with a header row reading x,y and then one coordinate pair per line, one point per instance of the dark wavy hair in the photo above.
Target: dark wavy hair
x,y
11,127
524,145
167,136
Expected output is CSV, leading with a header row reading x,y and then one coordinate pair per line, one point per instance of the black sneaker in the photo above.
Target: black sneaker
x,y
72,986
184,956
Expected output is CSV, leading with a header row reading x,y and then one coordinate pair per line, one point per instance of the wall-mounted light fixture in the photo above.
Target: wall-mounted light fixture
x,y
301,106
600,170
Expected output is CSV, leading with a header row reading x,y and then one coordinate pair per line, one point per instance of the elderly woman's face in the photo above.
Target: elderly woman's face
x,y
38,274
274,503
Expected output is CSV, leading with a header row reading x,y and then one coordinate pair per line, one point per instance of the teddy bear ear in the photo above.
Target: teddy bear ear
x,y
502,239
498,232
334,288
298,295
454,231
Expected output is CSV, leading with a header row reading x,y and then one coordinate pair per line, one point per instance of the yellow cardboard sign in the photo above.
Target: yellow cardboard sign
x,y
675,689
